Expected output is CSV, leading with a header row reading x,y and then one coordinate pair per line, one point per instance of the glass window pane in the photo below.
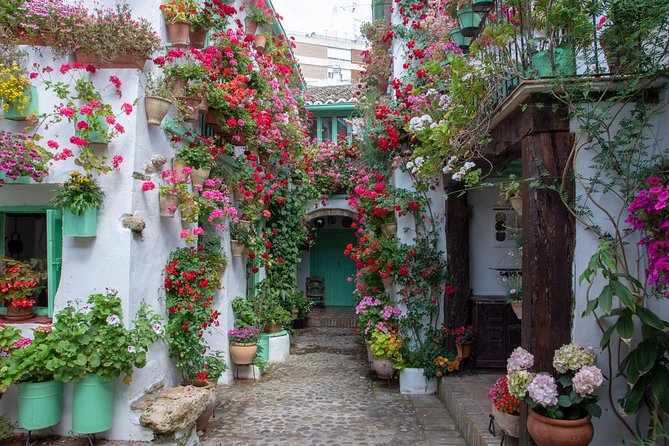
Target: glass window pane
x,y
327,129
313,128
342,129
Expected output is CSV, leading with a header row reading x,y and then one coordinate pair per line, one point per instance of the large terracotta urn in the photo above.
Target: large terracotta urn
x,y
551,432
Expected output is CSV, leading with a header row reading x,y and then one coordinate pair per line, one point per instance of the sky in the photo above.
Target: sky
x,y
335,18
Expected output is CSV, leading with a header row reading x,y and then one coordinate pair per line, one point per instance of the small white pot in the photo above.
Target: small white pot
x,y
414,382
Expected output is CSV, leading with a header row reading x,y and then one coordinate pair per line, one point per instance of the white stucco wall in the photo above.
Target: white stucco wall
x,y
113,258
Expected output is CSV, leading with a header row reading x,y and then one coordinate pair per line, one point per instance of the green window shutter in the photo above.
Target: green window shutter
x,y
54,228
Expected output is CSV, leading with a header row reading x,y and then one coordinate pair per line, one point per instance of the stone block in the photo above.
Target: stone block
x,y
174,409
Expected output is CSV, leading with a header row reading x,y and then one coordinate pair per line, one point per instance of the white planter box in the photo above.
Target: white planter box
x,y
412,381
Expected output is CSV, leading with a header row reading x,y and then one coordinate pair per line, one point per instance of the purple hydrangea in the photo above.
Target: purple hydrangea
x,y
520,359
587,380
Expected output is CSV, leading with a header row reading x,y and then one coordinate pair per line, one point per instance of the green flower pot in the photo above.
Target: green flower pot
x,y
31,108
263,353
19,180
460,40
40,404
565,63
82,225
482,5
97,132
93,405
469,21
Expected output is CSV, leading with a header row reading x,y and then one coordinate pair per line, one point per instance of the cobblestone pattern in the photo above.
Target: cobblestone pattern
x,y
324,395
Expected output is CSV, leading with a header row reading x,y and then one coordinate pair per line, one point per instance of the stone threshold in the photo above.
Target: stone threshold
x,y
470,419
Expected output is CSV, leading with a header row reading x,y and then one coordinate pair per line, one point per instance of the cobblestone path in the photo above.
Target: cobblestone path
x,y
323,395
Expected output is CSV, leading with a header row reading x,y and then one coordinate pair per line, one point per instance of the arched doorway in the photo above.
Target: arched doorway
x,y
334,230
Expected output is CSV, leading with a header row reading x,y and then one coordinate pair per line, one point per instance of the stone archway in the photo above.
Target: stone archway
x,y
331,212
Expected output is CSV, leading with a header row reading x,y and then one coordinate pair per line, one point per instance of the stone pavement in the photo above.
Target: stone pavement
x,y
324,395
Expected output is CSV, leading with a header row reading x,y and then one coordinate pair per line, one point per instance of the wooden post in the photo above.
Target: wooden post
x,y
457,258
548,250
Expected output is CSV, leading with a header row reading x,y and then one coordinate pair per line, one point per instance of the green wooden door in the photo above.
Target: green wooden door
x,y
327,260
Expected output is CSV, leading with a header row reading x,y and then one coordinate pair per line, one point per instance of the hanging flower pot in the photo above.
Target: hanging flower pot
x,y
168,205
260,41
197,37
482,5
199,176
245,225
250,26
178,87
203,106
124,60
517,205
236,138
80,225
469,22
156,109
551,432
238,195
517,308
243,353
382,86
20,109
465,350
178,33
461,41
97,133
237,248
92,404
383,367
389,229
192,109
179,165
565,63
40,404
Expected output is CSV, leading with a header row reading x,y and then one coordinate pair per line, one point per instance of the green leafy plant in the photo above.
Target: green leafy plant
x,y
245,314
29,359
78,193
387,344
93,339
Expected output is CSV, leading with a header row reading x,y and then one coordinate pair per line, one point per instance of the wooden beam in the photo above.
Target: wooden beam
x,y
457,258
548,251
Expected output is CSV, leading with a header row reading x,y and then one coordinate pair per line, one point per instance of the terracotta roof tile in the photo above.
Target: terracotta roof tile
x,y
336,94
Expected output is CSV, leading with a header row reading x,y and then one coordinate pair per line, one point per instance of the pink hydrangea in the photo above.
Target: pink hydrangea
x,y
543,390
587,380
520,359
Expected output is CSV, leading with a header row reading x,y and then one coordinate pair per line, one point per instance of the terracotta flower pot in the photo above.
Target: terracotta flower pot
x,y
383,367
192,111
237,248
465,350
507,422
179,165
124,60
199,176
272,328
370,356
517,308
168,205
382,86
250,26
260,41
178,33
238,196
388,283
202,421
551,432
197,37
389,229
156,109
243,353
178,87
16,313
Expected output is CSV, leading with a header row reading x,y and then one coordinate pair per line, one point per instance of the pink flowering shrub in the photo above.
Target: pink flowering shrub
x,y
21,156
649,213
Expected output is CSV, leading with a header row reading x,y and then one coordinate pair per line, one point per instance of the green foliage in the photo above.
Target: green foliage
x,y
245,314
78,193
29,363
387,345
6,428
93,339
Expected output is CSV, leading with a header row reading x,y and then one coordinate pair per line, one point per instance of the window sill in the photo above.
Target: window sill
x,y
39,320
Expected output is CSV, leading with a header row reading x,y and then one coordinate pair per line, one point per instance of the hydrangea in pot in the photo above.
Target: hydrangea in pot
x,y
561,405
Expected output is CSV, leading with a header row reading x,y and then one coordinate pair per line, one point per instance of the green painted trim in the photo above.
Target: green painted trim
x,y
173,127
24,209
331,108
319,128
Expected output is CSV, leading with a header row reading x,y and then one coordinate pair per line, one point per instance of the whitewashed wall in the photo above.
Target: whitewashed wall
x,y
114,259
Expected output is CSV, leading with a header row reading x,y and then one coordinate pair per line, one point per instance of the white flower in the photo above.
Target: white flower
x,y
86,309
113,320
513,291
447,169
426,118
131,349
419,161
452,159
457,176
157,328
469,165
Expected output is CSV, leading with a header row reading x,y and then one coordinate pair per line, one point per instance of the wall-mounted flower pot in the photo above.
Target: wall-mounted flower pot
x,y
178,33
461,41
192,109
93,404
389,229
565,63
469,21
97,135
199,176
156,109
178,87
168,205
517,308
237,248
250,26
388,283
197,37
260,41
124,60
178,164
382,85
82,225
20,111
482,5
40,404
